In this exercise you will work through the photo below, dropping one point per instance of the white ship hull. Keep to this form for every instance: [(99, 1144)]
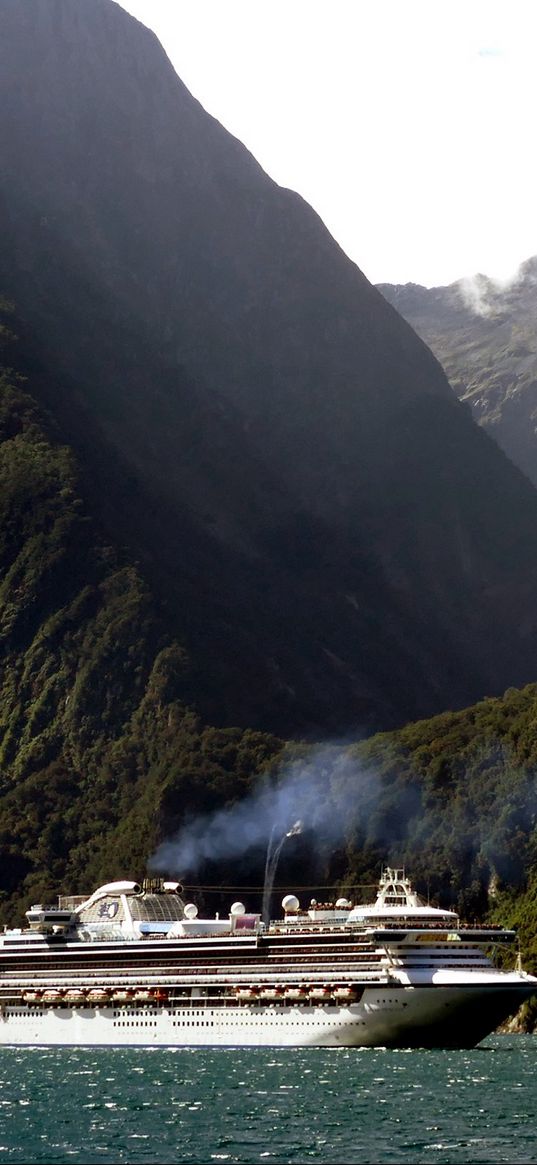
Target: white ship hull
[(390, 1017), (133, 967)]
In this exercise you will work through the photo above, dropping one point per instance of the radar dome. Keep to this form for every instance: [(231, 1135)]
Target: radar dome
[(237, 909), (290, 903), (191, 910)]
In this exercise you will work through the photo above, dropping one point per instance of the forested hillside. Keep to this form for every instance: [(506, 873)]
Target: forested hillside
[(103, 757), (100, 752), (238, 498), (458, 806), (335, 544)]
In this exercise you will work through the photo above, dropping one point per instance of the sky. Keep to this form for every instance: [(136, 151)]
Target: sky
[(409, 125)]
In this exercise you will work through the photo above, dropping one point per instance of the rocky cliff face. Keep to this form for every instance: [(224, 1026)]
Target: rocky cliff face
[(330, 536), (485, 336)]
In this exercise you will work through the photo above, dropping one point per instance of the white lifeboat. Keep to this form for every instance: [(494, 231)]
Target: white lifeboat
[(345, 994), (122, 996), (296, 994), (274, 994), (320, 994), (75, 995), (98, 995), (52, 995), (247, 994)]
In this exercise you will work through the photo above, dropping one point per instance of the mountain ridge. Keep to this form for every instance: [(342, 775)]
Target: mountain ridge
[(483, 332), (321, 522), (100, 750), (237, 494)]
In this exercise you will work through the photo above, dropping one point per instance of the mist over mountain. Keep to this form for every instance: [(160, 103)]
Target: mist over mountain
[(484, 333), (326, 533)]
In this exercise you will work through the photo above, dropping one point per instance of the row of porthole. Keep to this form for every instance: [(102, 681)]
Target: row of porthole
[(193, 1023), (243, 1022), (135, 1023), (188, 1022), (137, 1014), (26, 1014), (285, 1023)]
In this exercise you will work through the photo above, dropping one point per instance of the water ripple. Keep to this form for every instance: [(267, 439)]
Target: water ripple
[(252, 1106)]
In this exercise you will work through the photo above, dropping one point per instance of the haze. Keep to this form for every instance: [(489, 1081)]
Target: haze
[(408, 126)]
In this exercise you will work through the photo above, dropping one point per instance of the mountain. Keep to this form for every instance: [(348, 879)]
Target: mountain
[(100, 751), (324, 531), (485, 336), (454, 798)]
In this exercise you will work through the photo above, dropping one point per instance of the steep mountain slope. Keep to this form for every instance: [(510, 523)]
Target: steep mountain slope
[(102, 758), (100, 754), (332, 540), (485, 336)]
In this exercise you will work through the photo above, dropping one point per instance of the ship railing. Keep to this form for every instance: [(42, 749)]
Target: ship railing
[(418, 924), (284, 979), (310, 926), (239, 978), (288, 970)]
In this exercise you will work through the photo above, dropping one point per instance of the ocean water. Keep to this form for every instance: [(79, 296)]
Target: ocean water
[(270, 1105)]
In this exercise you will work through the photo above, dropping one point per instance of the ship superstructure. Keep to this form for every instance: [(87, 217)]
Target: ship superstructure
[(133, 964)]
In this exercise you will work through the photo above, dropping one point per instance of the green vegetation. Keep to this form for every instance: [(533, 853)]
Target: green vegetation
[(103, 756), (330, 538), (99, 754), (457, 804), (236, 489)]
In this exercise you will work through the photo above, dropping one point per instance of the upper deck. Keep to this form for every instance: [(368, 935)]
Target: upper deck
[(129, 911)]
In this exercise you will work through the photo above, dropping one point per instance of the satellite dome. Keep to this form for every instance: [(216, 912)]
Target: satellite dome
[(342, 903), (191, 910), (237, 909), (290, 904)]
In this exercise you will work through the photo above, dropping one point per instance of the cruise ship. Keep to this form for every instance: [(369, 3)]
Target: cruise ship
[(135, 965)]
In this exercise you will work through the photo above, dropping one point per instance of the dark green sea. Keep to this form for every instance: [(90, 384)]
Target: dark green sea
[(268, 1106)]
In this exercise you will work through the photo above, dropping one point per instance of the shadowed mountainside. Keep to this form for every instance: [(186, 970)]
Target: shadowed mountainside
[(100, 752), (102, 757), (332, 540)]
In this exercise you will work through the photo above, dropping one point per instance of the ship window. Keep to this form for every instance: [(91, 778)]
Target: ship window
[(156, 908)]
